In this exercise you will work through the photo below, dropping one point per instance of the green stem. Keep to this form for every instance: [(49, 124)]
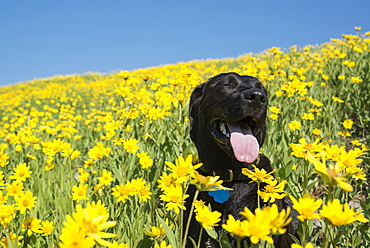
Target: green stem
[(304, 233), (185, 237), (238, 242), (325, 241), (305, 177), (258, 199), (200, 236)]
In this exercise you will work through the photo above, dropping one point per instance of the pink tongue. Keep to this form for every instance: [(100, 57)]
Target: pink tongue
[(245, 145)]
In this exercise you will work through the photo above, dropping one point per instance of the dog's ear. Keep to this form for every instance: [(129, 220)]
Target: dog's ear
[(195, 99)]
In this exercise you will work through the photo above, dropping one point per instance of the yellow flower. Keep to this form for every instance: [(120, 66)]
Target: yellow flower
[(12, 237), (74, 237), (21, 172), (145, 162), (139, 187), (31, 225), (105, 178), (325, 77), (308, 245), (337, 99), (131, 145), (74, 154), (308, 116), (279, 93), (331, 174), (7, 213), (356, 80), (83, 175), (174, 197), (79, 192), (207, 218), (198, 204), (30, 156), (89, 163), (339, 214), (163, 245), (121, 192), (300, 150), (124, 74), (3, 158), (258, 175), (236, 227), (116, 245), (183, 168), (25, 201), (91, 220), (259, 226), (316, 131), (206, 183), (273, 191), (274, 117), (15, 189), (275, 110), (294, 125), (47, 227), (344, 133), (315, 102), (278, 219), (99, 151), (156, 232), (347, 124), (306, 207), (166, 181)]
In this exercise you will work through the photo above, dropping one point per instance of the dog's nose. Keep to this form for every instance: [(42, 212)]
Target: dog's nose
[(257, 97)]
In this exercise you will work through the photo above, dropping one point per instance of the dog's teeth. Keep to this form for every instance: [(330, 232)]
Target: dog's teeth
[(223, 129)]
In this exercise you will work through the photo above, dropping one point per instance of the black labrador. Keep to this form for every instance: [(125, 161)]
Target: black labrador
[(228, 126)]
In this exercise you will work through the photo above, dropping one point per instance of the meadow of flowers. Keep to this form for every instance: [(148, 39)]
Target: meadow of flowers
[(104, 160)]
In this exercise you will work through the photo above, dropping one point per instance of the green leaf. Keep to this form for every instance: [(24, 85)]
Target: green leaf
[(174, 241), (224, 240), (212, 233)]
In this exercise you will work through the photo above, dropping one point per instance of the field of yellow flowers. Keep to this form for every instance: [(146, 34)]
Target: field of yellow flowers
[(104, 160)]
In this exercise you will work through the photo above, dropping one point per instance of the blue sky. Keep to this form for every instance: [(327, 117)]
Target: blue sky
[(44, 38)]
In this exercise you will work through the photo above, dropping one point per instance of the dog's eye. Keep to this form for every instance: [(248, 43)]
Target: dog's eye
[(229, 84)]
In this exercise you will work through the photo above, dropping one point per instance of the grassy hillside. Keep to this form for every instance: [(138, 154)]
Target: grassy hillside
[(96, 145)]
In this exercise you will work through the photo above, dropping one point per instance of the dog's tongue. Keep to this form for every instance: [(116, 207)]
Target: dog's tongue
[(245, 145)]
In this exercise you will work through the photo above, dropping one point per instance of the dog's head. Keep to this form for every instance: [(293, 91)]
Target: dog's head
[(228, 120)]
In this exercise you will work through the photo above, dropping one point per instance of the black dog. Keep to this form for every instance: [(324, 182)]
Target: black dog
[(228, 126)]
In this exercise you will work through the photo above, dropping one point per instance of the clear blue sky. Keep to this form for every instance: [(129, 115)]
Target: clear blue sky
[(44, 38)]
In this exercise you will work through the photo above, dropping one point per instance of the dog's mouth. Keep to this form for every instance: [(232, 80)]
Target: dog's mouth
[(238, 135)]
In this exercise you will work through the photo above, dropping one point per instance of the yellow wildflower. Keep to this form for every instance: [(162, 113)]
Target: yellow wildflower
[(162, 245), (258, 175), (273, 191), (21, 172), (331, 174), (339, 214), (207, 218), (183, 168), (156, 232), (236, 227), (306, 207), (25, 201), (106, 178), (347, 124), (294, 125), (174, 198), (91, 220), (79, 192)]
